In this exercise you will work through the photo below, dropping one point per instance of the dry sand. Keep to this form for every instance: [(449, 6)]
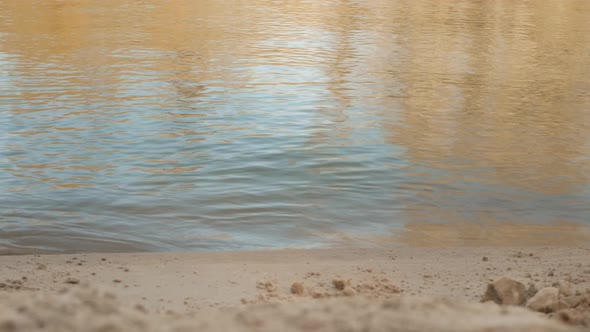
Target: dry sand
[(397, 289)]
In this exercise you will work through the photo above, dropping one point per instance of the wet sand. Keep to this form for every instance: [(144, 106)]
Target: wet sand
[(281, 286)]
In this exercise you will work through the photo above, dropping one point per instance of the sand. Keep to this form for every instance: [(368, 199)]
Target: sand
[(377, 289)]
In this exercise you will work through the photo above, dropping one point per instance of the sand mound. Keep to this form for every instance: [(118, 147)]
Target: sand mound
[(84, 309)]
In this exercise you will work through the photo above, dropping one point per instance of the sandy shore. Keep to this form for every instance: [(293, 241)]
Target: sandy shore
[(431, 288)]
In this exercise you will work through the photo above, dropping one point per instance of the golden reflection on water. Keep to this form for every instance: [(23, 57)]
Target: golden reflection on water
[(509, 96), (454, 234), (514, 100), (466, 234), (483, 106)]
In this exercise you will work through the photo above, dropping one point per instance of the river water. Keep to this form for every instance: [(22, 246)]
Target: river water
[(130, 125)]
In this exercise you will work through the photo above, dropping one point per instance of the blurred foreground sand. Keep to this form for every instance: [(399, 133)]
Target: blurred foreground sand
[(395, 289)]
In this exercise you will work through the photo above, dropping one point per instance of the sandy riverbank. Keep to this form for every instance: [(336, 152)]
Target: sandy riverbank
[(405, 289)]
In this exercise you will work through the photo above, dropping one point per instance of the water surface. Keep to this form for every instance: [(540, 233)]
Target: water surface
[(132, 125)]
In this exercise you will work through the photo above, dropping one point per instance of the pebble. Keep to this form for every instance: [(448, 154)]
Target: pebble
[(73, 281), (297, 288), (505, 291), (349, 291), (546, 300), (339, 284)]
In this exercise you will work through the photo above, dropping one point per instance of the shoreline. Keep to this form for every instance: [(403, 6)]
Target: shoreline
[(189, 283), (412, 235)]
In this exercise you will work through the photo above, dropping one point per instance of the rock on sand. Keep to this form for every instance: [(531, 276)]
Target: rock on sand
[(505, 291), (546, 300)]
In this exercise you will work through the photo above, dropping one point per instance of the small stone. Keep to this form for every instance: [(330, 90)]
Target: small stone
[(339, 284), (118, 281), (297, 288), (41, 266), (484, 258), (546, 300), (72, 281), (270, 286), (349, 291), (317, 295), (550, 274), (505, 291)]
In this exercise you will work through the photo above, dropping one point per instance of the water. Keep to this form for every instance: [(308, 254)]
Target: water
[(132, 125)]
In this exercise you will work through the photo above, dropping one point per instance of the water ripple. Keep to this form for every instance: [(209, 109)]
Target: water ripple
[(227, 125)]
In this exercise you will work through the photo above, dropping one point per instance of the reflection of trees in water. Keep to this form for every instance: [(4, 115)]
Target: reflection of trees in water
[(497, 102)]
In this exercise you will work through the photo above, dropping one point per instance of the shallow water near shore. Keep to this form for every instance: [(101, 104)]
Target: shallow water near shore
[(230, 125)]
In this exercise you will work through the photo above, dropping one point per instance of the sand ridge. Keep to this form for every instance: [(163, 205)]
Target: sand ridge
[(85, 309)]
